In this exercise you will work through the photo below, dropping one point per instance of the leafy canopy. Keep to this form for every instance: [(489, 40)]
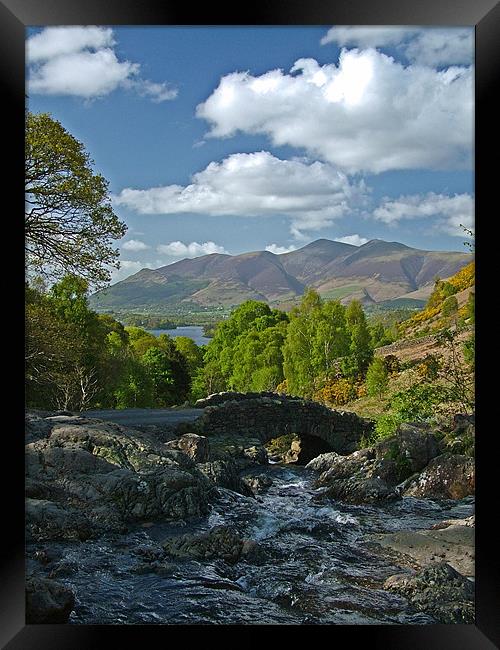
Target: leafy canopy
[(69, 221)]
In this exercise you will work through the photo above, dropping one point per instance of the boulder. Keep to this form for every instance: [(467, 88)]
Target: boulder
[(449, 476), (256, 454), (358, 478), (92, 477), (36, 427), (218, 543), (417, 446), (47, 601), (225, 474), (195, 446), (257, 483), (439, 591)]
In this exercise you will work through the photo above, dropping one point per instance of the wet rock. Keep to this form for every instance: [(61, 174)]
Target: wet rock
[(449, 476), (323, 462), (159, 568), (257, 483), (195, 446), (373, 474), (47, 601), (357, 478), (226, 474), (438, 591), (63, 569), (219, 543), (46, 520), (256, 454)]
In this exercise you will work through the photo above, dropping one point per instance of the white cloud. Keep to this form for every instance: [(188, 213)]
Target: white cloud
[(158, 92), (255, 185), (449, 212), (57, 41), (355, 240), (135, 245), (194, 249), (81, 61), (364, 37), (368, 113), (432, 46), (279, 250)]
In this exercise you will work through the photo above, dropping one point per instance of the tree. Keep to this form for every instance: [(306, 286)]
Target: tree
[(377, 378), (69, 221), (361, 350), (168, 371), (450, 306)]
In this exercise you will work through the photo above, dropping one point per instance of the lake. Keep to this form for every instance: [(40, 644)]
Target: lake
[(194, 332)]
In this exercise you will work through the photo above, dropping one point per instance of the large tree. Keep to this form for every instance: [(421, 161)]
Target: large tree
[(69, 221)]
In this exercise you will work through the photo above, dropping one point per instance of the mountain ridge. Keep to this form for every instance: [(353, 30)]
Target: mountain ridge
[(373, 272)]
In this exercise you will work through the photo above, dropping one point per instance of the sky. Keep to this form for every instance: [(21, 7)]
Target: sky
[(233, 139)]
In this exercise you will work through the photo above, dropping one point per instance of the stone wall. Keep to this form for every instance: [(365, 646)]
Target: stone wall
[(267, 416)]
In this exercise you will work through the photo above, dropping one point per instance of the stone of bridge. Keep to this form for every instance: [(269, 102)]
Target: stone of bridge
[(270, 415)]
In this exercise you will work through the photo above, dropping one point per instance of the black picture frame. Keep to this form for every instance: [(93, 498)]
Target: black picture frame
[(15, 16)]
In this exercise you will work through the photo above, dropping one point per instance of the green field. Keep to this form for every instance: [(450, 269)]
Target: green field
[(341, 292)]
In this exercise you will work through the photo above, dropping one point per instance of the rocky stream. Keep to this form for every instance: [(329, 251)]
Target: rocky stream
[(125, 529)]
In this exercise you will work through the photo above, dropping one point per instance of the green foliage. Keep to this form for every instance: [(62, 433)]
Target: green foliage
[(168, 369), (69, 221), (469, 348), (325, 341), (449, 307), (379, 335), (246, 350), (377, 378), (471, 307), (104, 364), (456, 372), (387, 425), (418, 402)]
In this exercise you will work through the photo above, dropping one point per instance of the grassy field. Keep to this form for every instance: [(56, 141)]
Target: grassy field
[(341, 292)]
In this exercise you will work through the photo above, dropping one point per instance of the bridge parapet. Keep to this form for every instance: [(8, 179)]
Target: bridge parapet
[(269, 415)]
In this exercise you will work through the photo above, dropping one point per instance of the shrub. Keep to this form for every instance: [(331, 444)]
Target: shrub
[(418, 402), (428, 369), (376, 378), (392, 364), (387, 425), (336, 392), (450, 306)]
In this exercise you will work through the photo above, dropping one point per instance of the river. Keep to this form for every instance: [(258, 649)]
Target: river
[(316, 566), (194, 332)]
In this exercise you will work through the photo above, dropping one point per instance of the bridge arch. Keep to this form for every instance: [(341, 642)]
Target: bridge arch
[(269, 415)]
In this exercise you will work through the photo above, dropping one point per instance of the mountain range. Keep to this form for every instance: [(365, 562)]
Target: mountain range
[(374, 272)]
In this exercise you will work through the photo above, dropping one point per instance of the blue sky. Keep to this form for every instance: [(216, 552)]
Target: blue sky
[(235, 139)]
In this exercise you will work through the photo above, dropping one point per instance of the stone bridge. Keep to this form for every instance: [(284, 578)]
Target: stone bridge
[(270, 415)]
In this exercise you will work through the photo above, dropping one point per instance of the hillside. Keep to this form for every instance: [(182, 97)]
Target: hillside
[(374, 272)]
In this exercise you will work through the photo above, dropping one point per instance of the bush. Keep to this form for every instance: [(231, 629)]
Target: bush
[(418, 402), (387, 425), (428, 369), (392, 364), (337, 392), (450, 306)]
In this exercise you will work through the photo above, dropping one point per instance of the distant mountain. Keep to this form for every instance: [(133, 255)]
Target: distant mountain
[(373, 272)]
